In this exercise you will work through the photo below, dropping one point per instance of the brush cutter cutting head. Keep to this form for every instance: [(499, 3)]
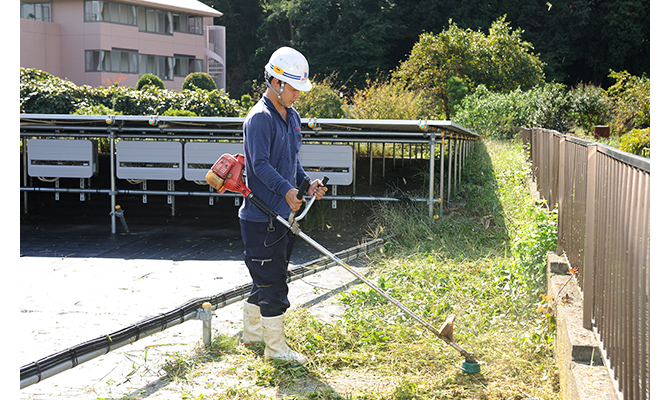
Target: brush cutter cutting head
[(470, 365), (226, 174)]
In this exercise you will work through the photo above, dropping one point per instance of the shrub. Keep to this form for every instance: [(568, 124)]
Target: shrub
[(394, 100), (636, 141), (199, 80), (550, 105), (246, 103), (42, 93), (149, 79), (171, 112), (99, 109), (545, 106), (206, 103), (630, 102), (322, 101), (590, 107)]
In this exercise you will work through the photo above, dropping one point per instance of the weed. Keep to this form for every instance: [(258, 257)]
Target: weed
[(483, 261)]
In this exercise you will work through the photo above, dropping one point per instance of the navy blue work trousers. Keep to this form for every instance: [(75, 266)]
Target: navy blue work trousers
[(267, 250)]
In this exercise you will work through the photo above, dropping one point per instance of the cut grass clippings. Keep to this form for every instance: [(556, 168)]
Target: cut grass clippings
[(482, 261)]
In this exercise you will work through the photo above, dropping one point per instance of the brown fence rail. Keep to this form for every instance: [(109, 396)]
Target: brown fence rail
[(603, 200)]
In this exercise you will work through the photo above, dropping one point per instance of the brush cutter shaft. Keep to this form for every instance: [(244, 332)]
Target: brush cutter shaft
[(374, 287)]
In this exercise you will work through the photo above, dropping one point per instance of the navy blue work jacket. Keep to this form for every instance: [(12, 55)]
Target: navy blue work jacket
[(271, 146)]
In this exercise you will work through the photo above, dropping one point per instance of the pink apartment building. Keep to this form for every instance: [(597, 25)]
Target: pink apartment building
[(97, 43)]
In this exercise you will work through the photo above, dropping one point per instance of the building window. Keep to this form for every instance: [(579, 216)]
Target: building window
[(110, 11), (161, 66), (184, 65), (187, 23), (146, 19), (116, 60), (195, 25), (154, 21), (40, 11)]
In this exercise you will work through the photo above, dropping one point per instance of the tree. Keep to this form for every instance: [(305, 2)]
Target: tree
[(242, 20), (501, 61), (348, 38)]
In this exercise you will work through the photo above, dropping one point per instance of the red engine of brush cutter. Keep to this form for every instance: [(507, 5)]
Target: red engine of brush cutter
[(226, 174)]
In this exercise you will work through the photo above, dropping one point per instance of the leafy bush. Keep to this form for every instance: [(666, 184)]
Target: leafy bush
[(99, 109), (550, 107), (547, 106), (630, 102), (246, 103), (206, 103), (179, 113), (393, 100), (322, 101), (636, 141), (149, 79), (43, 93), (198, 80), (590, 107)]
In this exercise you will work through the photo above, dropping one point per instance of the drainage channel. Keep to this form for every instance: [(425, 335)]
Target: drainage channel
[(64, 360)]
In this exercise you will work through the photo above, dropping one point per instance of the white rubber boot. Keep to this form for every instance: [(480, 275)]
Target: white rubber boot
[(253, 331), (275, 341)]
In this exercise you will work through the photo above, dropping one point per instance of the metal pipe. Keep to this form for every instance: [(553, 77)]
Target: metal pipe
[(441, 173), (112, 174), (431, 182), (208, 194), (374, 287)]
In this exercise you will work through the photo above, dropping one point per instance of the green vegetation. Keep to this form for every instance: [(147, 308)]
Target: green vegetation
[(198, 80), (625, 106), (323, 101), (575, 40), (501, 61), (483, 261), (43, 93), (637, 141), (149, 79)]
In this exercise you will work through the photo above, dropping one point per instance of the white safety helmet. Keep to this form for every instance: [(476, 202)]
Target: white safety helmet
[(289, 66)]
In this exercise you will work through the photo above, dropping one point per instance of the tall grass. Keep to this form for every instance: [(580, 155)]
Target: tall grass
[(483, 261)]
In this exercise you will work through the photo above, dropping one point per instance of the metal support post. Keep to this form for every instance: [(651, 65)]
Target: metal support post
[(205, 315), (449, 165), (441, 202), (431, 184), (112, 173)]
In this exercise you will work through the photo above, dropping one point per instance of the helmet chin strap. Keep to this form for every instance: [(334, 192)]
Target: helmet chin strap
[(281, 90)]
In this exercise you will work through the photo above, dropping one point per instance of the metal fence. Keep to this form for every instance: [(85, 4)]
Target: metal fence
[(603, 200)]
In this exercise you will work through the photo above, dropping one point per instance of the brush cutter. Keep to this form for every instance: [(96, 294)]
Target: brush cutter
[(226, 174)]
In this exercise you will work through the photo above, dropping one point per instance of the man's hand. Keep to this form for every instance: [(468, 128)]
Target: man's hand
[(317, 189), (292, 199)]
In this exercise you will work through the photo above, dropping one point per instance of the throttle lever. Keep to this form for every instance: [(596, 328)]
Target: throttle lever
[(311, 201), (304, 185)]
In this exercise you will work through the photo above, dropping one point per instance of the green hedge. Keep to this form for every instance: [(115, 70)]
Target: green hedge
[(149, 79), (198, 80), (43, 93)]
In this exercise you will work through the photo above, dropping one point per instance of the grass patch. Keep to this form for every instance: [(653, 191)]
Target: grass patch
[(483, 261)]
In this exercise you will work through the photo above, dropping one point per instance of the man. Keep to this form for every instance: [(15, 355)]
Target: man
[(272, 140)]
